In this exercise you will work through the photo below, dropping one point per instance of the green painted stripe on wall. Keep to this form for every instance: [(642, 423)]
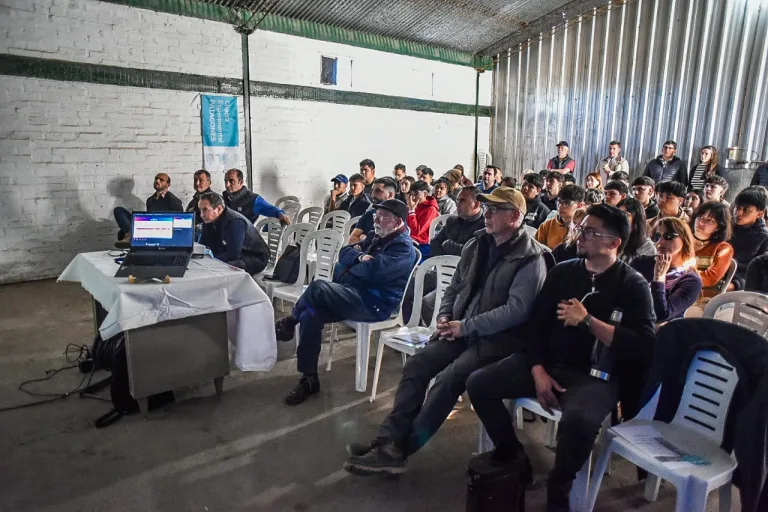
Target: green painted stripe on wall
[(65, 71), (311, 30)]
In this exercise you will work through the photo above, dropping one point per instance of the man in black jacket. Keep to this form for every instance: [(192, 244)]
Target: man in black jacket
[(750, 235), (231, 237), (357, 202), (202, 186), (596, 301), (161, 201), (537, 211), (666, 166), (644, 188), (249, 204)]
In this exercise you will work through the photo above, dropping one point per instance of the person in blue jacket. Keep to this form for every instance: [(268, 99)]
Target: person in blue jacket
[(249, 204), (368, 282)]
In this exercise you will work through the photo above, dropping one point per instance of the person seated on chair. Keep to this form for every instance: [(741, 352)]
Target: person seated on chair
[(338, 194), (445, 204), (422, 210), (231, 237), (711, 227), (671, 195), (488, 183), (757, 275), (202, 185), (715, 188), (536, 211), (644, 189), (553, 182), (404, 187), (161, 201), (249, 204), (368, 283), (593, 301), (481, 317), (621, 176), (615, 192), (553, 231), (454, 178), (358, 200), (567, 250), (750, 235), (383, 189)]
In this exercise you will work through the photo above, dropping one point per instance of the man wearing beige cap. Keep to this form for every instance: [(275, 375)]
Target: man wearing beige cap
[(481, 318)]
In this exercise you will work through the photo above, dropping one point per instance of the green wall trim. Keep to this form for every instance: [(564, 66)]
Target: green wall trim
[(312, 30), (65, 71)]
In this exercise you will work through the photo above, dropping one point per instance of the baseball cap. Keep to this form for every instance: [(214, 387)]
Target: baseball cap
[(505, 195), (562, 143), (340, 178), (394, 206)]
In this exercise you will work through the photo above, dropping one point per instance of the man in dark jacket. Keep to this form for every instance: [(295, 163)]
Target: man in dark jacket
[(553, 182), (368, 283), (536, 211), (357, 201), (750, 235), (231, 237), (249, 204), (666, 166), (480, 321), (761, 176), (161, 201), (644, 188), (595, 300), (202, 186)]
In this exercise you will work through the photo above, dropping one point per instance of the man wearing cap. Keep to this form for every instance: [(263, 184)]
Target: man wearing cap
[(481, 319), (248, 204), (338, 194), (368, 282), (562, 162), (161, 201)]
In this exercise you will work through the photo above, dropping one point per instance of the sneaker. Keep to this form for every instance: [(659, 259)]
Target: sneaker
[(307, 386), (383, 459), (285, 328), (360, 449)]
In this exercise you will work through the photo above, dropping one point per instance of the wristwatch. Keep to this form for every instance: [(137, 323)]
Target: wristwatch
[(586, 323)]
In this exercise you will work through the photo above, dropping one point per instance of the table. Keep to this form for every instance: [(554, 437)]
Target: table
[(177, 334)]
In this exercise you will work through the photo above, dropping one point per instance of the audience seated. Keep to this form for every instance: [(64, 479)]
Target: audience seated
[(553, 231), (671, 195), (644, 189), (427, 176), (231, 237), (404, 188), (562, 162), (553, 182), (357, 201), (488, 183), (709, 165), (368, 283), (161, 201), (675, 284), (499, 175), (594, 196), (667, 167), (639, 243), (615, 192), (368, 172), (481, 319), (399, 173), (761, 176), (612, 163), (536, 210), (693, 200), (567, 250), (711, 226), (593, 180), (202, 185), (445, 204), (248, 204), (422, 210), (508, 181), (569, 178), (750, 235), (454, 178), (419, 171), (715, 188), (620, 176), (338, 194), (593, 301), (757, 275), (464, 181), (383, 189)]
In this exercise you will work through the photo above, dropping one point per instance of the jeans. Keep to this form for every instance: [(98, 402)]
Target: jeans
[(585, 404), (321, 303), (124, 220), (413, 420), (428, 300)]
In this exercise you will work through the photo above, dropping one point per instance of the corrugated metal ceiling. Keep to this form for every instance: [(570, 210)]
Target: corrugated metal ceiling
[(466, 25)]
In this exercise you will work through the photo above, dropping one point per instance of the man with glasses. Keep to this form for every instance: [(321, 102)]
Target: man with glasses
[(590, 338), (667, 166), (615, 192), (368, 283), (248, 204), (671, 196), (553, 231), (481, 319), (644, 188), (368, 172)]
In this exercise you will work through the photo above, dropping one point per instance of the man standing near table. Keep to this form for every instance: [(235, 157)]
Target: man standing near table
[(231, 237)]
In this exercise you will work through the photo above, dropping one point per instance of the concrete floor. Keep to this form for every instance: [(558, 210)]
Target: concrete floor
[(247, 452)]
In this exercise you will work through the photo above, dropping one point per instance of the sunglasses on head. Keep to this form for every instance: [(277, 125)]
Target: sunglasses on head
[(666, 236)]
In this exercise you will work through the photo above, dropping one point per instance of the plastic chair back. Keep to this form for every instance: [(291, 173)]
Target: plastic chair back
[(295, 234), (728, 276), (444, 267), (274, 231), (286, 199), (349, 226), (437, 224), (310, 214), (292, 210), (328, 243), (707, 394), (750, 310), (337, 220)]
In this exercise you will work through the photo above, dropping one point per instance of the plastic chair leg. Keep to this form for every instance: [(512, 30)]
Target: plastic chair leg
[(652, 484), (331, 340), (551, 434), (377, 370), (519, 421), (601, 463), (580, 488), (363, 354), (692, 497), (405, 357)]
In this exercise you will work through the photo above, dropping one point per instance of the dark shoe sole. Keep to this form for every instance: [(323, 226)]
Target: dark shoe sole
[(359, 470), (307, 397)]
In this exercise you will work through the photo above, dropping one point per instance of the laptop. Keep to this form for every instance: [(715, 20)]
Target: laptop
[(161, 245)]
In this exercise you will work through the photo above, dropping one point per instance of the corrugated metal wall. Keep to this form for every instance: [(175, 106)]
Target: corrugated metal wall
[(695, 71)]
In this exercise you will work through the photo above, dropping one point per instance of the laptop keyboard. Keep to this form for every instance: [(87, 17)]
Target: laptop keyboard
[(160, 260)]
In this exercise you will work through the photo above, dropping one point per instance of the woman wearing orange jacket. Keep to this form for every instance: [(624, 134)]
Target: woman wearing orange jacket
[(711, 226)]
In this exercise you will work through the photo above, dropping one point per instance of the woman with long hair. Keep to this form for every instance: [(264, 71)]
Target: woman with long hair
[(567, 249), (693, 200), (709, 165), (675, 284), (639, 244), (593, 180), (711, 226)]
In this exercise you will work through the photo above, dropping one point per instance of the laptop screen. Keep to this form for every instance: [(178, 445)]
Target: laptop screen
[(167, 229)]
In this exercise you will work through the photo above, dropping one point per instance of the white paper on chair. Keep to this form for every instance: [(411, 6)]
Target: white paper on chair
[(652, 442), (416, 337)]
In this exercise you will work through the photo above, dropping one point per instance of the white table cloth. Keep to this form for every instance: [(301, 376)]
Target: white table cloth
[(209, 286)]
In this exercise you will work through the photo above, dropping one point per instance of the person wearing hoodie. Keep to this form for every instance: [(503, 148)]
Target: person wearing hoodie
[(537, 211), (553, 231), (750, 235), (422, 210), (667, 167), (445, 204)]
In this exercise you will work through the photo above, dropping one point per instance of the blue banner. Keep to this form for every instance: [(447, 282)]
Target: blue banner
[(220, 132)]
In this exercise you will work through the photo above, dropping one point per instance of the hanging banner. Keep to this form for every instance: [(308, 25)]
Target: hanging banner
[(220, 134)]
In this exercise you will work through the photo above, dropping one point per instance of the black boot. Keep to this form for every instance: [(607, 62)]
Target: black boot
[(307, 386), (360, 449), (383, 459), (285, 328)]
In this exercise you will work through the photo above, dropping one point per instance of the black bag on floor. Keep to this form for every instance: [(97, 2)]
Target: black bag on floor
[(287, 266), (493, 488)]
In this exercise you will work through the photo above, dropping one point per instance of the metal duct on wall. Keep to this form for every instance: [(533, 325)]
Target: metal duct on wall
[(694, 71)]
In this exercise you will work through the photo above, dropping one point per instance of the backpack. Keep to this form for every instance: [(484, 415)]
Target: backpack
[(287, 266)]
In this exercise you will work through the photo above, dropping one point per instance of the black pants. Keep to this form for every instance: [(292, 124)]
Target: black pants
[(585, 404), (251, 264), (412, 420)]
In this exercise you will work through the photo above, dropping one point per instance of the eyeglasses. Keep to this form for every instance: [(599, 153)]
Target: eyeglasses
[(670, 147), (492, 208), (668, 236), (589, 234), (566, 204)]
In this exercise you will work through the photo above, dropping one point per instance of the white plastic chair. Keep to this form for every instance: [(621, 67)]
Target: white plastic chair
[(697, 428), (293, 234), (338, 220), (292, 210), (750, 310), (444, 267), (728, 276), (349, 227), (286, 199), (363, 331), (273, 232), (437, 224), (310, 214)]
